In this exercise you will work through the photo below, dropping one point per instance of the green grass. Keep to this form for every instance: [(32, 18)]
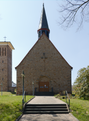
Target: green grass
[(6, 93), (11, 106), (79, 108)]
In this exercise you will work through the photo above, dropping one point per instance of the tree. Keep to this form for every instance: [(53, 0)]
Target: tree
[(74, 11), (81, 85)]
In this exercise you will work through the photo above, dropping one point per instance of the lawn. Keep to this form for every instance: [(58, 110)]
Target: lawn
[(11, 106), (79, 108)]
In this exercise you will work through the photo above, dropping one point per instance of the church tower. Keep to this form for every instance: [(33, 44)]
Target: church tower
[(6, 65), (43, 25)]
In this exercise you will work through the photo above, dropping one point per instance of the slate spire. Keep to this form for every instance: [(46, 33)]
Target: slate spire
[(43, 25)]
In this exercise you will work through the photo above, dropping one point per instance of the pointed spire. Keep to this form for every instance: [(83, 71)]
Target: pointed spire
[(43, 25), (43, 20)]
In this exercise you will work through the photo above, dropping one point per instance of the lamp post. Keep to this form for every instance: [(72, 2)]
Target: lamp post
[(1, 88), (33, 87)]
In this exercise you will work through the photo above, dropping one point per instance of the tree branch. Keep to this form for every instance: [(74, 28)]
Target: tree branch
[(73, 8)]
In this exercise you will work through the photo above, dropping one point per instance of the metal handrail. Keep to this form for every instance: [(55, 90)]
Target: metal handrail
[(23, 100), (68, 102)]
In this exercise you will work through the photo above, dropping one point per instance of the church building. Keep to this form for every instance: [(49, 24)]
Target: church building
[(44, 67)]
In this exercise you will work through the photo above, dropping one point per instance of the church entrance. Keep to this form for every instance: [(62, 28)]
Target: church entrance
[(44, 86)]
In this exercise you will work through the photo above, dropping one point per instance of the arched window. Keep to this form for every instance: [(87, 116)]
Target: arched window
[(47, 34)]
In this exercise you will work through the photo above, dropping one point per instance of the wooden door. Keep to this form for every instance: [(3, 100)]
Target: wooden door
[(44, 86)]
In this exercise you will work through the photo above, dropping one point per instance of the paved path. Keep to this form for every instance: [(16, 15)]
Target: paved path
[(45, 100), (47, 117)]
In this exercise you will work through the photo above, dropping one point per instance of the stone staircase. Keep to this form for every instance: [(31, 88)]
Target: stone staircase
[(46, 109)]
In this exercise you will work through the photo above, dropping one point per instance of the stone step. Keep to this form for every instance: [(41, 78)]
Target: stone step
[(46, 104), (46, 112), (46, 109), (27, 106)]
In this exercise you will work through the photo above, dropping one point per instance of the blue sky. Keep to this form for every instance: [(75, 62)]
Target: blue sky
[(19, 21)]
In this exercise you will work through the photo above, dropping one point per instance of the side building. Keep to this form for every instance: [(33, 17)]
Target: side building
[(6, 65)]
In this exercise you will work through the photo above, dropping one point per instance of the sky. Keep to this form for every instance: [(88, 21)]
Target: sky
[(19, 21)]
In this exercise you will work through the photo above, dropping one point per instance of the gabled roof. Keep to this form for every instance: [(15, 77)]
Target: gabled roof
[(43, 20), (35, 45)]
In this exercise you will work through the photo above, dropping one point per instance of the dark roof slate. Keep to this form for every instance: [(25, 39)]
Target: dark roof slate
[(43, 20)]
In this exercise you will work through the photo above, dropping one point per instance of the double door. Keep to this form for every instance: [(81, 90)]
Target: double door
[(44, 86)]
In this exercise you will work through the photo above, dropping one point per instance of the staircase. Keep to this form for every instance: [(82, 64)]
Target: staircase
[(46, 109)]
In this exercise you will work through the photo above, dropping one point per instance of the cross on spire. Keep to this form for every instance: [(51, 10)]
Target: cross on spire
[(5, 38)]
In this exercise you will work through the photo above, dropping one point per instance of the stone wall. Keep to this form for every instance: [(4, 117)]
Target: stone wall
[(44, 63), (5, 67), (9, 66)]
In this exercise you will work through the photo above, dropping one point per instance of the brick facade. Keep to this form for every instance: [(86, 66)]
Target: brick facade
[(6, 65), (44, 63)]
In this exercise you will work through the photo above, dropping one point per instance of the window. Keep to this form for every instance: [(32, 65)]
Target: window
[(43, 54), (3, 51), (47, 34), (43, 31), (45, 86), (41, 86)]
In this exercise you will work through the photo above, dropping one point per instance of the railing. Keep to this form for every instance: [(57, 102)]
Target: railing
[(23, 101), (67, 101)]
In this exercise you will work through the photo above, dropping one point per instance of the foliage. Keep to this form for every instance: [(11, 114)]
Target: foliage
[(74, 11), (81, 84), (11, 106), (57, 96)]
